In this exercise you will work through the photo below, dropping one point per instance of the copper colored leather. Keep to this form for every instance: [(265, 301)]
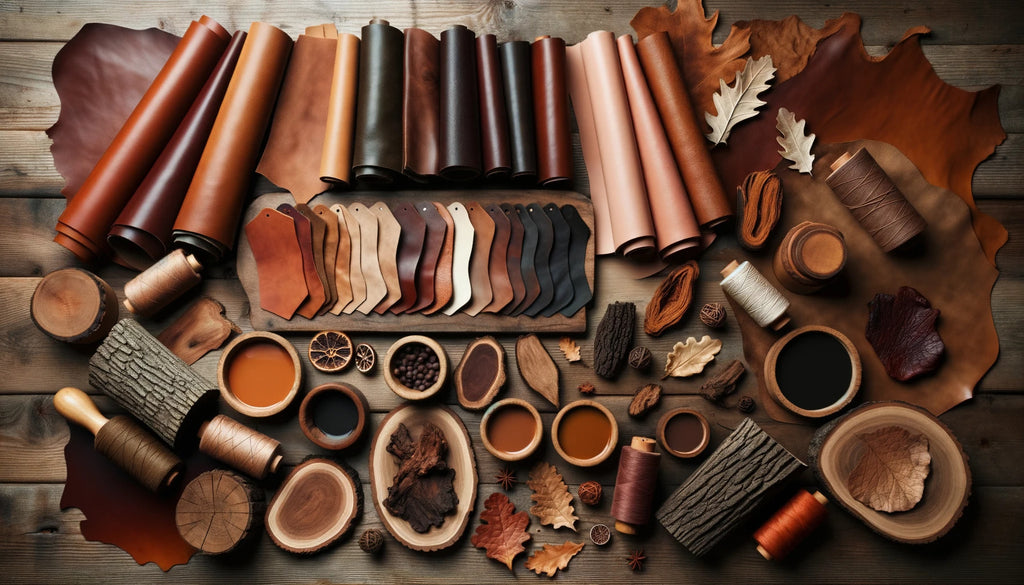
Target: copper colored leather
[(542, 259), (421, 105), (343, 264), (209, 216), (443, 271), (100, 75), (496, 158), (331, 238), (479, 264), (304, 234), (789, 41), (377, 156), (950, 254), (679, 117), (465, 234), (551, 113), (410, 248), (142, 231), (278, 256), (376, 288), (460, 106), (322, 31), (561, 276), (85, 222), (517, 76), (355, 264), (318, 230), (577, 260), (336, 157), (389, 233), (514, 257), (291, 158), (527, 264), (433, 241), (501, 284)]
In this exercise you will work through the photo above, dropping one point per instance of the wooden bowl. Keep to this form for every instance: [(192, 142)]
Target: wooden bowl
[(835, 450), (706, 432), (308, 415), (238, 345), (599, 457), (772, 382), (460, 458), (403, 390), (489, 415)]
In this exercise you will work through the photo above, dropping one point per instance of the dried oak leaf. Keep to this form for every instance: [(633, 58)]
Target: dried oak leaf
[(739, 102), (502, 531), (569, 349), (889, 477), (552, 500), (795, 145), (901, 329), (689, 358), (553, 557)]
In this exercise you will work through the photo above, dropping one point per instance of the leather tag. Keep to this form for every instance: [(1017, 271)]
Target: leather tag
[(376, 288), (342, 264), (355, 269), (514, 258), (319, 232), (527, 263), (410, 247), (443, 272), (577, 261), (388, 233), (479, 264), (304, 234), (465, 234), (275, 248), (545, 243), (501, 285), (559, 264), (432, 243), (330, 222)]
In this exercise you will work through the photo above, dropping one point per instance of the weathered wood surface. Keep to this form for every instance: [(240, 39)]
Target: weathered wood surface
[(973, 44)]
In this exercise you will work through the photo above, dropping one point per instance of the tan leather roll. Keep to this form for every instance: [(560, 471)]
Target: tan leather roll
[(336, 158)]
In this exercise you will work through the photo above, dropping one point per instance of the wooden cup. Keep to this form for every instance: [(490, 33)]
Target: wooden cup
[(229, 354), (663, 424), (809, 257), (317, 435), (405, 391), (609, 448), (538, 432), (771, 360)]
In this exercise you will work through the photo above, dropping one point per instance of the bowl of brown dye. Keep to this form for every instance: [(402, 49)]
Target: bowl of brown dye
[(511, 429), (416, 367), (333, 416), (813, 371), (584, 433), (684, 432), (259, 374)]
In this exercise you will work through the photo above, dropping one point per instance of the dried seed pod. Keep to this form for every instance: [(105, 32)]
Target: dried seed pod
[(644, 399), (590, 493), (366, 358), (671, 299), (713, 315), (586, 388), (600, 534), (640, 358), (746, 405), (762, 208), (330, 351), (723, 383), (613, 339), (371, 541)]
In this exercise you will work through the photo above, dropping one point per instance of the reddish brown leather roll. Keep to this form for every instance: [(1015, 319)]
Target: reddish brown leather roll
[(517, 77), (84, 225), (433, 241), (551, 111), (421, 105), (710, 204), (336, 158), (410, 247), (460, 106), (501, 284), (377, 155), (142, 232), (212, 208), (497, 160)]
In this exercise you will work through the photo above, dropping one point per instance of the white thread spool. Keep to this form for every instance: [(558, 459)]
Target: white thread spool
[(762, 301)]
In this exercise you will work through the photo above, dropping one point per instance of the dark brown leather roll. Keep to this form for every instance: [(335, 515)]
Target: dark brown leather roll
[(542, 259), (410, 247), (514, 257), (559, 263), (460, 106), (501, 284), (551, 112), (517, 76), (527, 266), (142, 232), (437, 228), (421, 105), (497, 159), (377, 157)]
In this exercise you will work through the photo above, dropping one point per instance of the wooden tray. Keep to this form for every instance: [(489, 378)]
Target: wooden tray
[(438, 322)]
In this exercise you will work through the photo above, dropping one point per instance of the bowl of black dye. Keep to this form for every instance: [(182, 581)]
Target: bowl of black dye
[(813, 371), (333, 416)]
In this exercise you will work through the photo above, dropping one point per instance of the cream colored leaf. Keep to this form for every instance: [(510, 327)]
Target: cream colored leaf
[(795, 146), (552, 500), (687, 359), (739, 102), (889, 477), (553, 557), (570, 349)]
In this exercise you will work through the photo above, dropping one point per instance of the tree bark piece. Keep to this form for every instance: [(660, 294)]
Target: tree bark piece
[(480, 374), (200, 329), (423, 489), (537, 368), (613, 339), (645, 398), (727, 487), (74, 305), (317, 504), (218, 510), (723, 383)]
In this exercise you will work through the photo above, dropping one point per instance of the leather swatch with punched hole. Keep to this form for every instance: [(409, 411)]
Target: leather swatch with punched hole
[(460, 106), (376, 288), (501, 284), (443, 271), (410, 248), (377, 156), (331, 238), (495, 157), (581, 293), (318, 230), (355, 264), (516, 74), (343, 264), (275, 248), (559, 264), (542, 259), (421, 105), (551, 113), (514, 258), (531, 236), (388, 234), (465, 235), (479, 264), (433, 241), (336, 158), (315, 286)]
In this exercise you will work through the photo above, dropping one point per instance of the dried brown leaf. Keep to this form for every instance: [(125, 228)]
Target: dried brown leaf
[(889, 477), (569, 349), (502, 531), (552, 500), (553, 557), (689, 358)]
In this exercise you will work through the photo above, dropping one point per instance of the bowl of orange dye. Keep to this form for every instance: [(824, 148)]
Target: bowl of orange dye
[(259, 374)]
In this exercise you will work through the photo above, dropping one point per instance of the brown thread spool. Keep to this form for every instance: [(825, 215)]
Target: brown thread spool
[(809, 257), (874, 200), (122, 440), (804, 512), (161, 283), (635, 483), (245, 449)]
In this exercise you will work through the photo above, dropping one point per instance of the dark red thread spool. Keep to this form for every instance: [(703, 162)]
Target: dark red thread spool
[(635, 483), (804, 512)]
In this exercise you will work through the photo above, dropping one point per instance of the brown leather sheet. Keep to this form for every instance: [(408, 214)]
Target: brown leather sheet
[(389, 232), (496, 158), (355, 265), (369, 264), (433, 241), (318, 228), (460, 106), (278, 256), (343, 263), (514, 257), (332, 235), (377, 154), (336, 158), (551, 113), (421, 105)]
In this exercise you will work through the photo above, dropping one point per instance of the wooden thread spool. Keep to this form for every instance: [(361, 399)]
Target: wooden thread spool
[(123, 441), (74, 306), (777, 537), (218, 510), (762, 301), (245, 449), (809, 257), (635, 483), (161, 283)]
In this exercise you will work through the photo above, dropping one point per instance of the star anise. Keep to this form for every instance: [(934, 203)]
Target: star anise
[(636, 560), (507, 478), (586, 388)]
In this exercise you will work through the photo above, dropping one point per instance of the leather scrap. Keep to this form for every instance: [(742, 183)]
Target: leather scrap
[(331, 239), (410, 247), (531, 236), (479, 264), (443, 271), (559, 264), (462, 253), (578, 243), (376, 288), (433, 241), (318, 230), (388, 234), (501, 284), (542, 259), (343, 263), (514, 257), (315, 286), (355, 266), (279, 262)]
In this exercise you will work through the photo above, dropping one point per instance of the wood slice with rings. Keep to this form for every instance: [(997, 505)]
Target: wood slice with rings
[(316, 505), (74, 306), (218, 510)]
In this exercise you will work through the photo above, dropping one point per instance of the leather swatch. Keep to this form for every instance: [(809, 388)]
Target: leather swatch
[(275, 247), (559, 264), (501, 284), (388, 234), (517, 76), (377, 156), (514, 257), (479, 264), (421, 105), (433, 241), (209, 216), (304, 235), (551, 113), (460, 106), (343, 263), (495, 155), (88, 217), (541, 259), (331, 239), (443, 271), (318, 230), (355, 264), (340, 127), (465, 236), (581, 293), (528, 260), (410, 248), (376, 288)]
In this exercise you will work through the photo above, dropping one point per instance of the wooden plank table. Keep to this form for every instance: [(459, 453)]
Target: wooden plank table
[(973, 44)]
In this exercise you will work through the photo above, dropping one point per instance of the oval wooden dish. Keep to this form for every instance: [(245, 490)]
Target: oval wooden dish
[(383, 467), (836, 448), (403, 390)]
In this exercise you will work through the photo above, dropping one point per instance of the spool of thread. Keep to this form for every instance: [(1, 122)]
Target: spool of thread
[(809, 257), (762, 301), (245, 449), (777, 537), (635, 483), (161, 283), (874, 200), (122, 440)]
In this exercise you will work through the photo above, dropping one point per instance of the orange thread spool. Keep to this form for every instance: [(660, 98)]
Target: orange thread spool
[(804, 512)]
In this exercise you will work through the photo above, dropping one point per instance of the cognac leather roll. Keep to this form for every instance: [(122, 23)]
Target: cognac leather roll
[(84, 225), (377, 156), (212, 209), (421, 105), (336, 158), (497, 160), (517, 76), (551, 111), (684, 134), (142, 233), (460, 106)]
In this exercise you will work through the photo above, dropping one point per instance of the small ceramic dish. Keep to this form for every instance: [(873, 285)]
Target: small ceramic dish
[(333, 416), (585, 433), (251, 364), (510, 418)]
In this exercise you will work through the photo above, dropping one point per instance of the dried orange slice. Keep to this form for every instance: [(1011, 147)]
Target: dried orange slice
[(366, 358), (330, 351)]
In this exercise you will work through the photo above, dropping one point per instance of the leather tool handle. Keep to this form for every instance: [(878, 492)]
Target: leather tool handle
[(77, 407)]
